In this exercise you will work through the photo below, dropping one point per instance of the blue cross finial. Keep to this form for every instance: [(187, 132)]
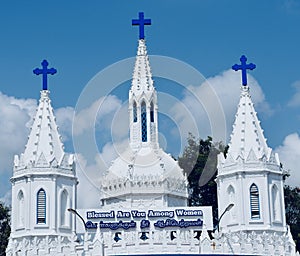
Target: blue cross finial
[(141, 22), (244, 68), (45, 71)]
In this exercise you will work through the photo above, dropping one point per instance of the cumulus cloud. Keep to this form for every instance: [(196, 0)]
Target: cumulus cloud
[(64, 120), (88, 193), (98, 113), (295, 100), (15, 120), (90, 172), (215, 101), (6, 198), (289, 153)]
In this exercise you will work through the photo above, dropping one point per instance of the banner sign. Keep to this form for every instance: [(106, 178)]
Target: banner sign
[(168, 218)]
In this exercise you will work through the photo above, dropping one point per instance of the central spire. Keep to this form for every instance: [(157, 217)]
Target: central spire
[(142, 98)]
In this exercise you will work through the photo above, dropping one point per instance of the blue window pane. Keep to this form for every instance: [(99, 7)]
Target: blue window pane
[(134, 113), (152, 113), (144, 122)]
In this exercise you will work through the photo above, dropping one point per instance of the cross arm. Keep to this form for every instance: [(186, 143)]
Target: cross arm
[(37, 71), (236, 67), (52, 71), (251, 66)]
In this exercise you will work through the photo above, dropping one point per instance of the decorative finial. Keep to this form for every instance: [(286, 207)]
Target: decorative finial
[(45, 71), (244, 68), (141, 22)]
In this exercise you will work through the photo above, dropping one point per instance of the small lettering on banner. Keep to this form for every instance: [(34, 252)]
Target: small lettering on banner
[(170, 217)]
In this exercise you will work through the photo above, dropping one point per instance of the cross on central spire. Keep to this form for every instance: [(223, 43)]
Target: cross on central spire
[(141, 22), (244, 68), (45, 71)]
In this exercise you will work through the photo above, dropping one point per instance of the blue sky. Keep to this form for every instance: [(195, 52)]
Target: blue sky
[(80, 38)]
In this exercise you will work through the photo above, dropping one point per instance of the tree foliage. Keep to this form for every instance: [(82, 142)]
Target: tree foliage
[(4, 227), (292, 211), (199, 162)]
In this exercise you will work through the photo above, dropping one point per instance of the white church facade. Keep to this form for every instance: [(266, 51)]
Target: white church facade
[(144, 192)]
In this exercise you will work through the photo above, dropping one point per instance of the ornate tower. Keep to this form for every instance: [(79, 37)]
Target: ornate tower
[(250, 177), (43, 186), (144, 175), (142, 103)]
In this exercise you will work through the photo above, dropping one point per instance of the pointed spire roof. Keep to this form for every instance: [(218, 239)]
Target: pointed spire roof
[(44, 142), (247, 138), (142, 77)]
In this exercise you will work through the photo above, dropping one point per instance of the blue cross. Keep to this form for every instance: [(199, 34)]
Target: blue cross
[(141, 22), (244, 68), (45, 71)]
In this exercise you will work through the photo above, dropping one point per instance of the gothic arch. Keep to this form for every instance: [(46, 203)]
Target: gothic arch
[(64, 205), (134, 112), (151, 112), (254, 202), (231, 197), (21, 210), (276, 203), (144, 121), (41, 206)]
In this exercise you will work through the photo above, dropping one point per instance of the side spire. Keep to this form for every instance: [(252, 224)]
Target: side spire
[(247, 138), (44, 138), (44, 146), (247, 135)]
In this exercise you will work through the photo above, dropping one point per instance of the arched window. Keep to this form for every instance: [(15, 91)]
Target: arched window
[(254, 202), (63, 208), (144, 121), (231, 195), (41, 207), (134, 112), (152, 113), (21, 210), (276, 203)]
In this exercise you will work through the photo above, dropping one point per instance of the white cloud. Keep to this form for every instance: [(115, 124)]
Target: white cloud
[(15, 118), (64, 120), (6, 199), (88, 194), (295, 100), (89, 173), (289, 153), (222, 90), (99, 112)]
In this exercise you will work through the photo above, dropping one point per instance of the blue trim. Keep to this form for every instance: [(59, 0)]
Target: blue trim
[(152, 113), (144, 121), (134, 112)]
